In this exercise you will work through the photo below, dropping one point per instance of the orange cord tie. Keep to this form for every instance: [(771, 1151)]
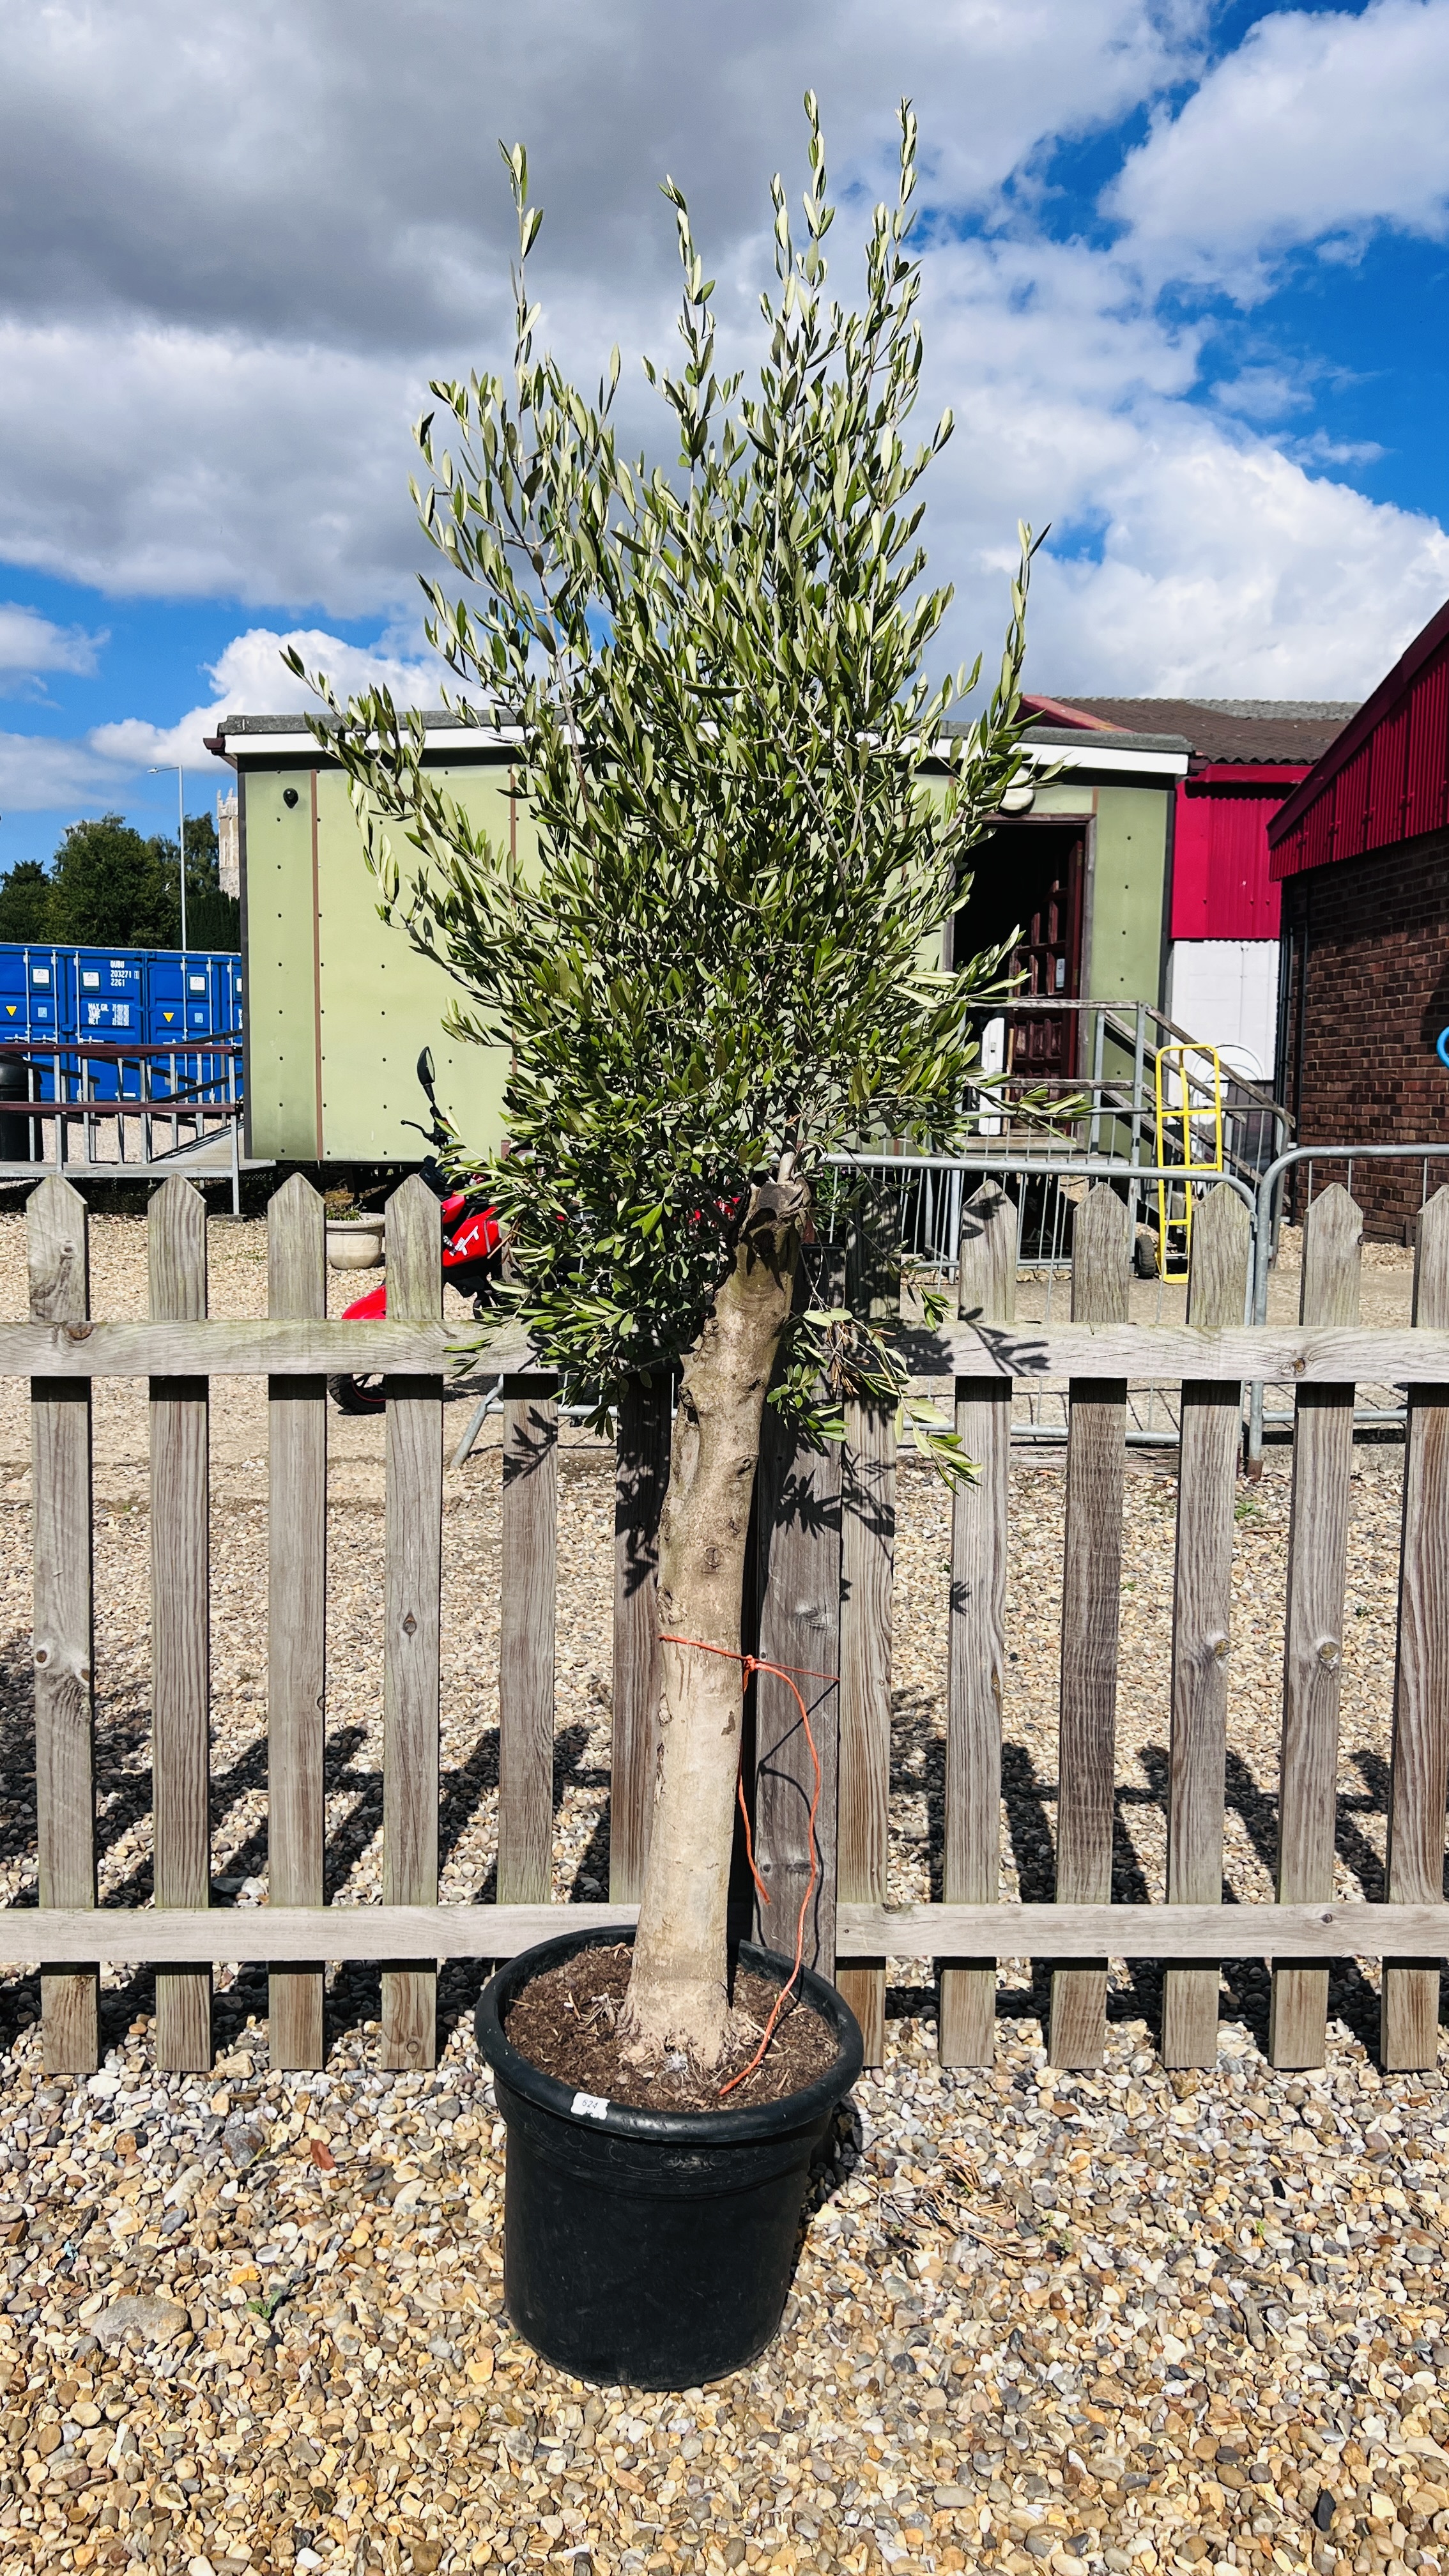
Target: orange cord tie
[(783, 1672)]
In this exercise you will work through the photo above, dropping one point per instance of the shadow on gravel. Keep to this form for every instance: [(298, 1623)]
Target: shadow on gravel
[(123, 1787)]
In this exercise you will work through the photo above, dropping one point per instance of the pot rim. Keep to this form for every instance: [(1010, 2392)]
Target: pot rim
[(752, 2121)]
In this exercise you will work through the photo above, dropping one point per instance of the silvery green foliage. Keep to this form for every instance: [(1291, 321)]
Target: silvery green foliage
[(712, 680)]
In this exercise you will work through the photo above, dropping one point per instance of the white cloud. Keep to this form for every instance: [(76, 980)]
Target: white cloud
[(251, 679), (213, 468), (39, 771), (1189, 551), (1227, 569), (31, 644), (273, 228), (328, 174), (1261, 393), (1321, 127)]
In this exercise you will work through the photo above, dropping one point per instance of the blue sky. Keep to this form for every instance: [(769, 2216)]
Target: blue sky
[(1185, 290)]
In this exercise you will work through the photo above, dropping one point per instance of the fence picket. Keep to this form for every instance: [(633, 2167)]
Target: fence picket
[(797, 1540), (1419, 1778), (412, 1625), (1202, 1602), (867, 1567), (180, 1621), (529, 1560), (867, 1553), (1313, 1644), (986, 1294), (1091, 1586), (296, 1618), (641, 1475), (63, 1647)]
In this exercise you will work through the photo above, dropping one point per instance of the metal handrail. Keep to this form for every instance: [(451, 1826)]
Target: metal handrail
[(1259, 1196), (1123, 1030), (1099, 1167), (172, 1104), (1265, 1228), (212, 1103), (106, 1052)]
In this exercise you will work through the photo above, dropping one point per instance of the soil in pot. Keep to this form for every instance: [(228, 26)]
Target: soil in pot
[(565, 2023)]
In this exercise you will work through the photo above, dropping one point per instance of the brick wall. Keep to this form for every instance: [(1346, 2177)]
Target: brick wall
[(1357, 1045)]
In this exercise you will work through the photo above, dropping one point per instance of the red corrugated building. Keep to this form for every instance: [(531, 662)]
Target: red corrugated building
[(1247, 754), (1360, 854)]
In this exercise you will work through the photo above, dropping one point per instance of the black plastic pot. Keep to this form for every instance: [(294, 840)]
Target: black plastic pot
[(651, 2248)]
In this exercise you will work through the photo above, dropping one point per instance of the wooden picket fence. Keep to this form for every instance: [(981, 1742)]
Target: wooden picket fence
[(821, 1602)]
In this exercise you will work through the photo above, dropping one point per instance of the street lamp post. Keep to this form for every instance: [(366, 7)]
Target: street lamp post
[(159, 771)]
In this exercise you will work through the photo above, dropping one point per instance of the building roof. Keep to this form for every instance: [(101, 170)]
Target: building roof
[(1100, 751), (258, 738), (1217, 729), (1386, 777), (1111, 751)]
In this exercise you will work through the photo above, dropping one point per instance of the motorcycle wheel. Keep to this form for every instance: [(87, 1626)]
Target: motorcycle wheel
[(357, 1394)]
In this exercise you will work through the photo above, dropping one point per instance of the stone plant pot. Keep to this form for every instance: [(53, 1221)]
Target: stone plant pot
[(355, 1242)]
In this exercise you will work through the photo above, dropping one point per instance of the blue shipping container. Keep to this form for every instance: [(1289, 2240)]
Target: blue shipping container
[(120, 997)]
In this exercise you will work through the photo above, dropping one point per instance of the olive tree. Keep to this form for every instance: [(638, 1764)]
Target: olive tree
[(722, 964)]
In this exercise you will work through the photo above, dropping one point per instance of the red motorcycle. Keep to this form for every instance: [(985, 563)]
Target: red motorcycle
[(472, 1252)]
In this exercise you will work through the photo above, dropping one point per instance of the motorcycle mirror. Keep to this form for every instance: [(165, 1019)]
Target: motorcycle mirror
[(425, 1071)]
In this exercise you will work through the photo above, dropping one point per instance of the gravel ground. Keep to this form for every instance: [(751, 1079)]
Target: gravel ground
[(1121, 2319)]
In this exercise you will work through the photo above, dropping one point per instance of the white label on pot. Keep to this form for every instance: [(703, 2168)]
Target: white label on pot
[(590, 2106)]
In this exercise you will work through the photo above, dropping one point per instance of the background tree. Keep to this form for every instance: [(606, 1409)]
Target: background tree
[(721, 967), (108, 887), (25, 899), (213, 919), (111, 887)]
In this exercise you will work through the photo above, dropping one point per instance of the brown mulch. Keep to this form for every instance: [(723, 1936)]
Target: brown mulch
[(565, 2023)]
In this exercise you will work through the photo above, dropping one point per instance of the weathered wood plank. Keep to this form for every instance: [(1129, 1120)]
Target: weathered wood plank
[(867, 1552), (63, 1651), (1313, 1645), (1419, 1776), (1091, 1584), (412, 1626), (263, 1933), (976, 1675), (529, 1577), (296, 1618), (867, 1556), (1156, 1354), (260, 1348), (180, 1622), (641, 1476), (1149, 1354), (1202, 1600), (797, 1539)]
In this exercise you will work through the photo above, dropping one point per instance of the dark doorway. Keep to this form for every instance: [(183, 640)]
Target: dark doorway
[(1030, 878)]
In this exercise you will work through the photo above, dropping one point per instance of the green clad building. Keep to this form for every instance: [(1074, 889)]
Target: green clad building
[(338, 1003)]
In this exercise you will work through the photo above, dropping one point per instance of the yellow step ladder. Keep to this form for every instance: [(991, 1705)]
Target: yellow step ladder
[(1180, 1125)]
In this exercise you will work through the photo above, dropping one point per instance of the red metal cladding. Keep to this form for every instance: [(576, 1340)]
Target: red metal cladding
[(1426, 796), (1221, 888), (1386, 778)]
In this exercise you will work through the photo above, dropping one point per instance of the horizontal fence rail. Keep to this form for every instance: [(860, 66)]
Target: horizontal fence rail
[(1162, 1353), (263, 1933), (820, 1598)]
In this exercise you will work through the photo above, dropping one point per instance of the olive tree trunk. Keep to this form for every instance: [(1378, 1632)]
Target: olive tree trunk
[(677, 1995)]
